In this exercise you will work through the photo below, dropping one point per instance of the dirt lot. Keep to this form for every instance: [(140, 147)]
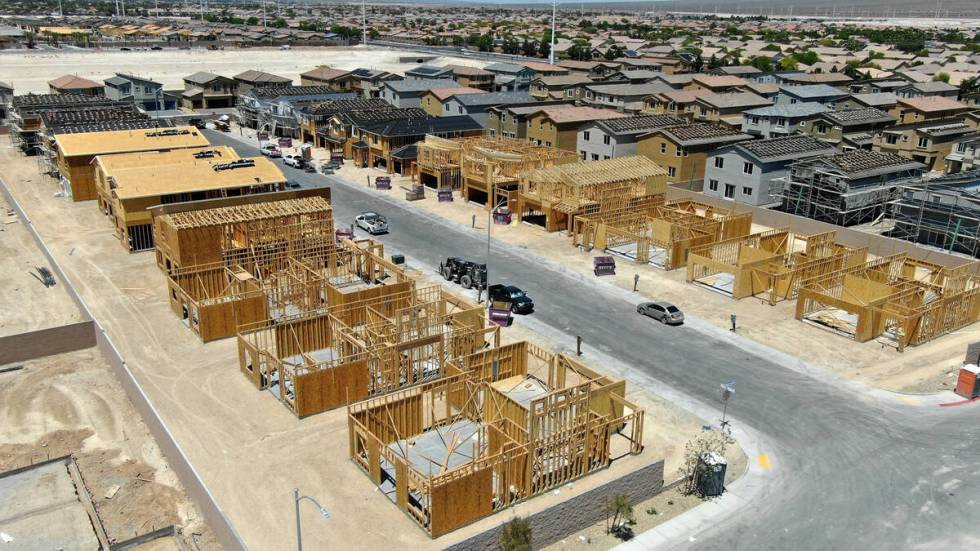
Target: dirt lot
[(25, 303), (170, 66), (72, 403), (249, 449), (921, 369)]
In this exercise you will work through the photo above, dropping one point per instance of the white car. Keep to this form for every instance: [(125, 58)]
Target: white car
[(271, 151), (294, 161), (371, 222)]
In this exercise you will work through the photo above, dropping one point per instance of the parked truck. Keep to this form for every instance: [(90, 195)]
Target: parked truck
[(466, 273)]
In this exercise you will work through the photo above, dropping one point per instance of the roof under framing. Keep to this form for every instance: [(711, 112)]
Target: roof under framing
[(248, 212)]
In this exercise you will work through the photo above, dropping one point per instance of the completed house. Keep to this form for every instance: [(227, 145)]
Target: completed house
[(610, 138), (727, 108), (479, 105), (813, 93), (781, 119), (510, 121), (143, 92), (558, 126), (965, 156), (327, 76), (848, 128), (557, 87), (255, 79), (511, 77), (928, 143), (927, 108), (73, 84), (931, 88), (682, 150), (625, 98), (409, 92), (204, 90), (753, 171)]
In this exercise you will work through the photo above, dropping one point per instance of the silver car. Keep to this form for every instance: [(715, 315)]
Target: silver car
[(371, 222), (663, 312)]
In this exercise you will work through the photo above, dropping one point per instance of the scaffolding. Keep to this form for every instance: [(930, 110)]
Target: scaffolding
[(847, 189), (943, 213)]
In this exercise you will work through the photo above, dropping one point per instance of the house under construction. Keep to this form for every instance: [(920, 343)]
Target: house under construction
[(554, 196), (897, 300), (943, 212), (771, 265), (657, 233), (505, 425), (482, 169), (320, 360), (26, 124), (850, 188), (255, 286)]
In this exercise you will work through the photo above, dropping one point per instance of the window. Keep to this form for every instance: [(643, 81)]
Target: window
[(713, 185), (792, 100), (755, 119), (569, 93), (547, 144), (729, 191), (678, 152), (747, 191), (663, 147), (595, 156), (606, 139), (748, 168), (671, 171), (460, 109), (582, 154), (822, 128), (585, 135), (606, 157), (781, 121), (891, 139), (446, 107), (719, 162), (923, 142)]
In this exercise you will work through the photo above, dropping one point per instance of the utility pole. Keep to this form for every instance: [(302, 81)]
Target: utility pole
[(554, 14), (202, 10), (263, 14), (364, 34)]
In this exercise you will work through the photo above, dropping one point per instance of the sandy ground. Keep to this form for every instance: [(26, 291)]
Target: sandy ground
[(30, 71), (921, 369), (71, 403), (25, 303), (250, 450)]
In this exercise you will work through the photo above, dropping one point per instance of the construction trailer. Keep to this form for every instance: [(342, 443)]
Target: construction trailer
[(849, 188), (251, 285), (554, 196), (483, 169), (134, 191), (318, 361), (77, 151), (505, 425), (897, 300), (771, 265), (657, 233), (207, 236)]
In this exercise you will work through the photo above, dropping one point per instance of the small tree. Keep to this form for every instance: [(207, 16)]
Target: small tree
[(516, 535), (941, 77), (620, 509)]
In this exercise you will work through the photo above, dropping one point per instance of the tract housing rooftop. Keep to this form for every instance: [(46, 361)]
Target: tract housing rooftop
[(641, 124), (859, 163), (702, 133), (786, 148)]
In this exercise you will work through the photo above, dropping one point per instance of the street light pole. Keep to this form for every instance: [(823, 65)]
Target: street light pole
[(299, 531), (489, 223), (554, 14)]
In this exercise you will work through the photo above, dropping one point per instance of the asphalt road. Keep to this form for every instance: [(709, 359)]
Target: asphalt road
[(863, 472)]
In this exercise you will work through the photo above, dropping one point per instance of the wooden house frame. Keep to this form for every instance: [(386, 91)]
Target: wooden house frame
[(482, 168), (200, 237), (770, 264), (896, 299), (256, 284), (318, 361), (454, 450), (560, 193), (652, 232)]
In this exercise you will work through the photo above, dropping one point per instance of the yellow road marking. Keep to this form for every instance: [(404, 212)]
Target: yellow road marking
[(909, 400), (763, 460)]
